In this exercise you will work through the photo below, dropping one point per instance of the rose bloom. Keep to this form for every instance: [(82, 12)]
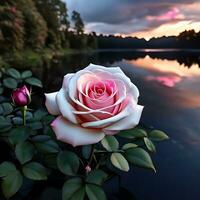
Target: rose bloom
[(21, 96), (92, 103)]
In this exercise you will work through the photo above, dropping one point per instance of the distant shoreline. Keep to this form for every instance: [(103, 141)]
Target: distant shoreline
[(147, 50)]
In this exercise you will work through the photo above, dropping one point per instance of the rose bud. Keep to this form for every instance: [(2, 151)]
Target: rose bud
[(88, 169), (21, 96)]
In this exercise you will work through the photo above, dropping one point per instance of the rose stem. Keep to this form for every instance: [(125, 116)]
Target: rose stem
[(23, 111)]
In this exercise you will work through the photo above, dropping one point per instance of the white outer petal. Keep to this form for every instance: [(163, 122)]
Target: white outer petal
[(74, 134), (128, 122), (65, 107), (112, 70), (51, 104), (66, 80)]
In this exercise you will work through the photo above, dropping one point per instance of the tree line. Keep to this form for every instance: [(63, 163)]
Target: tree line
[(186, 39), (38, 24)]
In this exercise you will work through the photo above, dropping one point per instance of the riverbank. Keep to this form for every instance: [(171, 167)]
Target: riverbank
[(30, 58)]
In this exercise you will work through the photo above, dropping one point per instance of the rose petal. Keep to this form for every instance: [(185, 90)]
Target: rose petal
[(106, 122), (95, 68), (128, 122), (66, 80), (51, 104), (75, 135), (65, 107)]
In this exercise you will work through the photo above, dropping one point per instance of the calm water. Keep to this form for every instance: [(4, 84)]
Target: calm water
[(169, 84)]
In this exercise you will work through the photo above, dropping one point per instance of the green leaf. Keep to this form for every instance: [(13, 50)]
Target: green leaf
[(118, 160), (157, 135), (41, 138), (39, 114), (73, 189), (10, 83), (5, 124), (18, 135), (7, 108), (24, 152), (26, 74), (35, 125), (6, 168), (150, 145), (14, 73), (68, 162), (96, 176), (48, 146), (34, 82), (129, 145), (35, 171), (86, 151), (110, 143), (11, 183), (95, 192), (133, 133), (139, 157)]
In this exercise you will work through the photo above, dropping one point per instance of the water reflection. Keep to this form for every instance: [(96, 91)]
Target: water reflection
[(169, 85), (166, 66), (169, 81)]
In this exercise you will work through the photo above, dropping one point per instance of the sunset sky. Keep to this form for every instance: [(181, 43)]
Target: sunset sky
[(141, 18)]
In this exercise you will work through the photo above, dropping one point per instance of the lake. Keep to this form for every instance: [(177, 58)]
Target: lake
[(169, 84)]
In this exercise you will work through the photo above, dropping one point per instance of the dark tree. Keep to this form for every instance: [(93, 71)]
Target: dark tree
[(78, 23)]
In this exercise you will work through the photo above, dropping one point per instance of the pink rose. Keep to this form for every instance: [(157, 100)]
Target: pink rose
[(21, 96), (92, 103)]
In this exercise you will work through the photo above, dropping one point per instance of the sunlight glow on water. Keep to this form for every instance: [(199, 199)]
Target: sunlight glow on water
[(166, 66)]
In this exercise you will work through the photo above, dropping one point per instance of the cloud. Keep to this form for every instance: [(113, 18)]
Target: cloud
[(129, 16)]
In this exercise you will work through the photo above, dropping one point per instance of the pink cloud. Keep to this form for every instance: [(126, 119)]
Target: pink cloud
[(169, 81), (172, 14)]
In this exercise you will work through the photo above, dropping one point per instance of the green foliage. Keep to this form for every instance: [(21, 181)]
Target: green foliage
[(149, 144), (97, 177), (35, 25), (95, 192), (10, 83), (12, 78), (6, 108), (13, 73), (18, 135), (68, 162), (11, 183), (133, 133), (110, 143), (34, 82), (11, 179), (139, 157), (119, 161), (35, 171), (157, 135), (12, 27), (73, 189), (5, 125), (6, 168), (24, 152), (129, 145)]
